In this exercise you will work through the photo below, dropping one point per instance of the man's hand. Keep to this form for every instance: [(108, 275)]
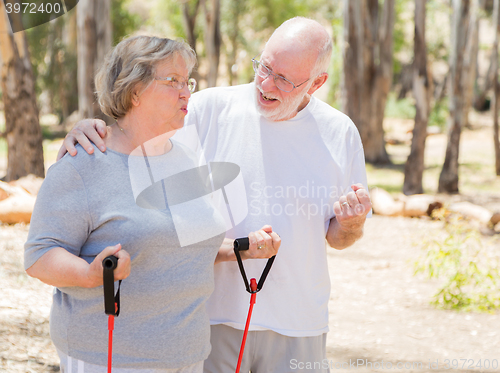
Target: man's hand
[(84, 132), (350, 216)]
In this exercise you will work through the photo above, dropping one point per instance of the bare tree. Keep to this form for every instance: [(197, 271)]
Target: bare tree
[(212, 39), (414, 168), (235, 9), (22, 126), (496, 87), (189, 20), (479, 101), (459, 75), (189, 14), (94, 41), (470, 59), (367, 74), (480, 95)]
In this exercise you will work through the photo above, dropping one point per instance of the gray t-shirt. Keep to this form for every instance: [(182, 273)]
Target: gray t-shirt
[(87, 203)]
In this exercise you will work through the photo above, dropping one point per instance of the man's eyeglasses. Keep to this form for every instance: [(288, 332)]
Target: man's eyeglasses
[(282, 83), (178, 82)]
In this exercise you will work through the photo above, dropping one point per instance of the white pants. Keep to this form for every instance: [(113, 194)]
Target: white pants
[(71, 365)]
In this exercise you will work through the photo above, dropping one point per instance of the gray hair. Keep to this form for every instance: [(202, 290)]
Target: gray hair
[(131, 64), (324, 56)]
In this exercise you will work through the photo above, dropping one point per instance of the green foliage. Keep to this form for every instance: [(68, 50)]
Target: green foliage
[(439, 114), (169, 12), (54, 66), (272, 13), (124, 22), (401, 42), (54, 59), (335, 15), (468, 269), (438, 12), (404, 108)]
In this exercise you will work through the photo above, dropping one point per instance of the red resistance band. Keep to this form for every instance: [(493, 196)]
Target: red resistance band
[(111, 301), (253, 288)]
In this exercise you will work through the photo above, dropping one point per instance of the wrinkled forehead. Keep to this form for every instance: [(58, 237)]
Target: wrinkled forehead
[(289, 59)]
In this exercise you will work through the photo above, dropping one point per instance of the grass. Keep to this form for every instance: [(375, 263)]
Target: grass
[(389, 178)]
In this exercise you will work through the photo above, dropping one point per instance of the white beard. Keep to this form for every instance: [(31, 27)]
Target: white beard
[(287, 109)]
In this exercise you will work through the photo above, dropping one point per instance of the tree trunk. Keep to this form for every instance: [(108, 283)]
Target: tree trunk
[(94, 41), (22, 126), (448, 179), (212, 39), (480, 96), (236, 8), (496, 87), (470, 60), (368, 71), (479, 101), (189, 22), (69, 91), (414, 168)]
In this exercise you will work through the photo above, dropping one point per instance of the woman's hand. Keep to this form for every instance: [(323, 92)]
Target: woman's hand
[(59, 268), (264, 243), (122, 270), (268, 241), (84, 132)]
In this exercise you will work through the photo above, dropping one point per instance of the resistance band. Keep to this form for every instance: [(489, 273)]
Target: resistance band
[(253, 288), (111, 301)]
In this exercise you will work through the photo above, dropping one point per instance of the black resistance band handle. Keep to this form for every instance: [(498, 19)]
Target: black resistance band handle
[(109, 264), (242, 244)]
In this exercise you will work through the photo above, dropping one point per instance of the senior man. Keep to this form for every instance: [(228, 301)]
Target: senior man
[(303, 167)]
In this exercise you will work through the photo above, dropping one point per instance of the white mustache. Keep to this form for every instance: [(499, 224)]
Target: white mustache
[(267, 95)]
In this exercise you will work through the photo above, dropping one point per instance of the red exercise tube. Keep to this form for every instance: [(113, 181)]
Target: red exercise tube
[(253, 287)]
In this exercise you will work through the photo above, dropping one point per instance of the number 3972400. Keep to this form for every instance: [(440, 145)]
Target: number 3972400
[(33, 8)]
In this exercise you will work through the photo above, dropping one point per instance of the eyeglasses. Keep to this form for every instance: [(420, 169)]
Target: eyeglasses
[(178, 82), (282, 83)]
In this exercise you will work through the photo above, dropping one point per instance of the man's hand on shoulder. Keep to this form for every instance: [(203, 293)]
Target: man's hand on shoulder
[(85, 132)]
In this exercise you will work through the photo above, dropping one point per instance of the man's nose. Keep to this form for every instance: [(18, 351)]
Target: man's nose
[(268, 83)]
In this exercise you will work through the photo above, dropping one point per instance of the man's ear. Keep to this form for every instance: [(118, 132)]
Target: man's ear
[(318, 82)]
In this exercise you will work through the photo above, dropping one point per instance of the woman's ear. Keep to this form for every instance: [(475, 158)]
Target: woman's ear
[(135, 98), (318, 82)]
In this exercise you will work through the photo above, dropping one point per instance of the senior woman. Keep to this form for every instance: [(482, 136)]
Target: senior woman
[(117, 203)]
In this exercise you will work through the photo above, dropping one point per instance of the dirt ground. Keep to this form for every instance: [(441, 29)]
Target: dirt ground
[(379, 311), (25, 345)]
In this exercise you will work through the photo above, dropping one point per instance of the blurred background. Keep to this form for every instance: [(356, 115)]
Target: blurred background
[(402, 70), (418, 78)]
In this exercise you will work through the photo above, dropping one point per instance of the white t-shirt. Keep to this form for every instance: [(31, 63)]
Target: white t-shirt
[(293, 172)]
